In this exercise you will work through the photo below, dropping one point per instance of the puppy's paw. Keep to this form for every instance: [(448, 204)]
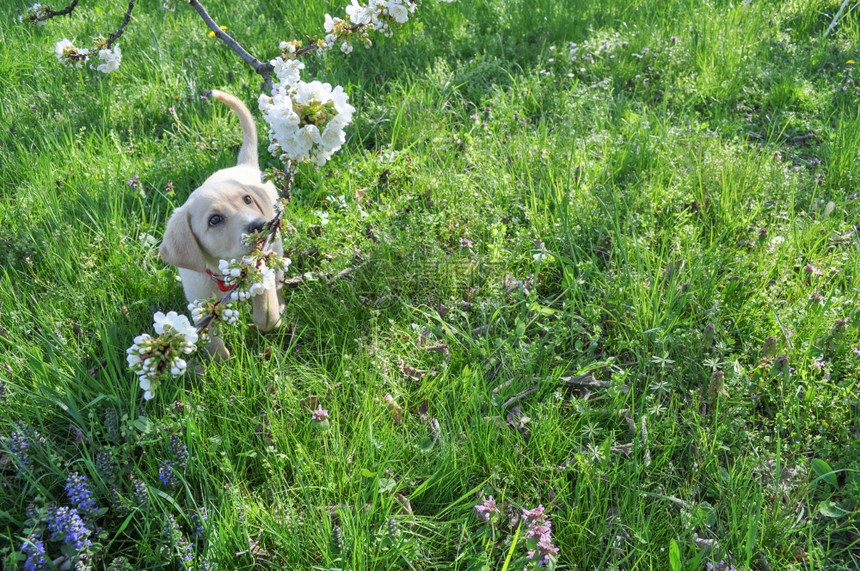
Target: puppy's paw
[(216, 350)]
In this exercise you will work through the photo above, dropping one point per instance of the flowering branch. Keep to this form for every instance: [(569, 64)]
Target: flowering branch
[(39, 13), (263, 68), (306, 123), (263, 245)]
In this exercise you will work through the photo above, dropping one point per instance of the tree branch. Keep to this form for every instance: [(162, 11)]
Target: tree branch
[(263, 68), (49, 13), (836, 18), (115, 36)]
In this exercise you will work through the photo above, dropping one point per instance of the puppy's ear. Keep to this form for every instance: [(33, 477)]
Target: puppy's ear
[(180, 247), (263, 199)]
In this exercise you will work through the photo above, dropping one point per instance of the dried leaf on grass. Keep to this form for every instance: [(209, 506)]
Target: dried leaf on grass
[(441, 348), (396, 409), (625, 449), (411, 372), (518, 420)]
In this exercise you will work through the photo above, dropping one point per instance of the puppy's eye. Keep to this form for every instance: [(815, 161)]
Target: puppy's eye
[(248, 199), (215, 219)]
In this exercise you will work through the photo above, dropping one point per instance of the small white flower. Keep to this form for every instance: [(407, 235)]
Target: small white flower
[(35, 14), (330, 23), (145, 383), (110, 59), (148, 395), (288, 71), (358, 14), (68, 54), (178, 368), (398, 11), (299, 113)]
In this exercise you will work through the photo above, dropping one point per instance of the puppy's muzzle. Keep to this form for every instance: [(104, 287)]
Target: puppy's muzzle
[(256, 226)]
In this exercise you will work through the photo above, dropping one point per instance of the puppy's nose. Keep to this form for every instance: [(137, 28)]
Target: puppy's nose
[(256, 226)]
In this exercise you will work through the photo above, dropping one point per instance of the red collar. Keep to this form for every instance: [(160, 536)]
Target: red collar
[(219, 282)]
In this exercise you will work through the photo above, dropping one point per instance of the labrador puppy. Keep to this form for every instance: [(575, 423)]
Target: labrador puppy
[(210, 225)]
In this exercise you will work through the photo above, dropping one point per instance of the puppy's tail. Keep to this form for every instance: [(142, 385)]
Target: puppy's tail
[(248, 152)]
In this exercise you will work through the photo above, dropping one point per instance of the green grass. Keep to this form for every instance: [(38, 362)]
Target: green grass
[(629, 173)]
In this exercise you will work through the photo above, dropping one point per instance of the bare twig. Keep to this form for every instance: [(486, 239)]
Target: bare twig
[(518, 397), (115, 36), (836, 18), (588, 380), (341, 274), (313, 45), (263, 68), (49, 13), (625, 449), (647, 460)]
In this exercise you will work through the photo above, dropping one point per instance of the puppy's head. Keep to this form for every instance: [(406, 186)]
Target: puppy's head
[(210, 225)]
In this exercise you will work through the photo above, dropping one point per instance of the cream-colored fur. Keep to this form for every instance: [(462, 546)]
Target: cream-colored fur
[(209, 227)]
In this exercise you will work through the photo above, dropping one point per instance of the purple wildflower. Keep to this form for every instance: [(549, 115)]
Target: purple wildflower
[(199, 519), (180, 543), (133, 181), (166, 475), (539, 531), (539, 536), (186, 550), (169, 186), (819, 364), (19, 446), (543, 551), (466, 243), (66, 524), (535, 517), (80, 496), (34, 549), (813, 270), (320, 414), (487, 509), (721, 566), (141, 494), (179, 453)]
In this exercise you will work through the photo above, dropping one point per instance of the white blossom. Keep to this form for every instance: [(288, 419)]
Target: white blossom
[(172, 321), (110, 59), (358, 14), (330, 23), (68, 54), (35, 14), (152, 358), (398, 10), (251, 276), (221, 313), (306, 119)]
